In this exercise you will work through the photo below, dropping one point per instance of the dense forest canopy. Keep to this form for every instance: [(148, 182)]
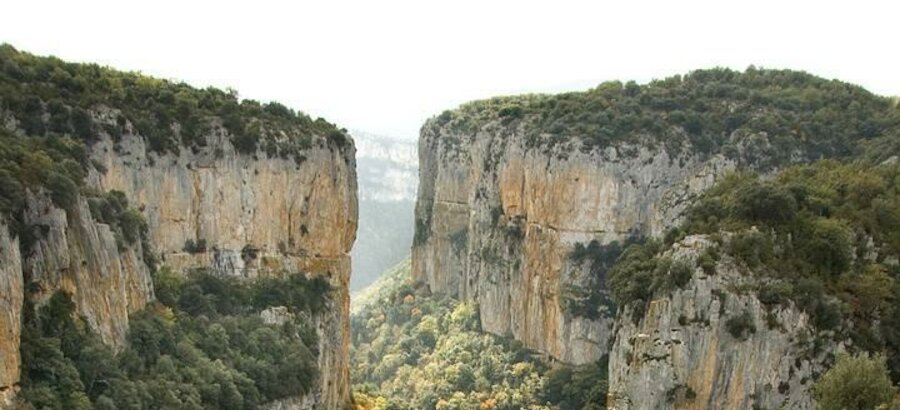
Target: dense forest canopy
[(202, 346), (412, 350)]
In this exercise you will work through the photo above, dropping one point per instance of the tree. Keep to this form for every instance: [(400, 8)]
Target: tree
[(855, 383)]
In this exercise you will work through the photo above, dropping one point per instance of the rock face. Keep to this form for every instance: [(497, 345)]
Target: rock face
[(680, 354), (12, 294), (72, 252), (496, 222), (80, 256), (256, 216)]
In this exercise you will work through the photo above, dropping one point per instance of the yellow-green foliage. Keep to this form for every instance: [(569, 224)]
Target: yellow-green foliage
[(856, 383), (415, 351)]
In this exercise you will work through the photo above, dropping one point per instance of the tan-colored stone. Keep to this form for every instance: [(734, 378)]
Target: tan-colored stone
[(500, 220), (12, 294)]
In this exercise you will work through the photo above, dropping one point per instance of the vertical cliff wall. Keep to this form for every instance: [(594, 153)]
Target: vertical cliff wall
[(255, 215), (68, 251), (12, 293), (497, 221)]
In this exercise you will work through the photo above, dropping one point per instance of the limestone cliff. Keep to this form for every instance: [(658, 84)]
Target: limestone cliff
[(510, 187), (253, 214), (256, 215), (681, 354), (497, 221), (69, 251), (12, 293)]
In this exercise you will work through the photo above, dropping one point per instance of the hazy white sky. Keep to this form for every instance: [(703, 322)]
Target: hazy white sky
[(385, 66)]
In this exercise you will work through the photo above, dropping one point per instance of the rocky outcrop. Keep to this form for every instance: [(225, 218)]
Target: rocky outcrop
[(255, 215), (680, 353), (69, 251), (74, 253), (497, 220), (12, 292)]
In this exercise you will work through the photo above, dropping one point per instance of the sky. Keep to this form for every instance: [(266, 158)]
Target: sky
[(386, 66)]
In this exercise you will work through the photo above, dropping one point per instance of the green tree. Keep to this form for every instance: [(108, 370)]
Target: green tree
[(856, 382)]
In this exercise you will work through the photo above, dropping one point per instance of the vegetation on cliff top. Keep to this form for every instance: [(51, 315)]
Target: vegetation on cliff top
[(47, 96), (412, 350), (715, 110), (203, 346)]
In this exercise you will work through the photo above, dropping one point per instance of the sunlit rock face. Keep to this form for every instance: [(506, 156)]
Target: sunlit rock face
[(69, 251), (497, 220), (255, 215), (12, 294), (497, 223)]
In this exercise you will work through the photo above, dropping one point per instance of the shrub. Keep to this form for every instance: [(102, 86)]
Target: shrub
[(741, 326), (828, 247), (775, 293), (707, 260), (753, 248), (631, 278), (63, 191), (133, 225), (680, 274), (190, 246), (855, 382), (577, 388), (764, 202), (245, 143)]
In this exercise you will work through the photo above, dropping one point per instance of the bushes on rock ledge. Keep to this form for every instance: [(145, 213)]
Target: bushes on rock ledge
[(741, 326)]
